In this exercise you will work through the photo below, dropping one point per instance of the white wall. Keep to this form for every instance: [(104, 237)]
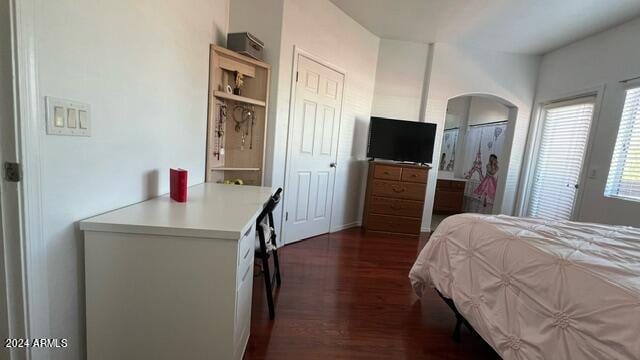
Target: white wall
[(320, 28), (485, 110), (402, 86), (460, 71), (264, 20), (400, 79), (143, 67), (600, 60), (457, 112)]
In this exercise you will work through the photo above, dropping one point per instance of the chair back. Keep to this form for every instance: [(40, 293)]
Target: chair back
[(269, 206)]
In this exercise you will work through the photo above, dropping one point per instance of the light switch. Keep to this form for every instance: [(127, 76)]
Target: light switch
[(67, 117), (84, 119), (58, 116), (72, 118)]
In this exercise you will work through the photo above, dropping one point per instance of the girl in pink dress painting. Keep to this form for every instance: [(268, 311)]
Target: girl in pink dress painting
[(489, 182)]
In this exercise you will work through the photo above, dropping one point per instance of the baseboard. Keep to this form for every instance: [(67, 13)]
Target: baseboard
[(346, 226)]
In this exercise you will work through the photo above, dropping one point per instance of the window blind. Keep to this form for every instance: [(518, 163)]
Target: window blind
[(624, 174), (561, 149)]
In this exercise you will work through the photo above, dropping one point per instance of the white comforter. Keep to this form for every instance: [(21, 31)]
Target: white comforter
[(536, 289)]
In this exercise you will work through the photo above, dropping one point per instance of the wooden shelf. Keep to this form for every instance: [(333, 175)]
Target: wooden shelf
[(235, 169), (246, 100), (237, 162)]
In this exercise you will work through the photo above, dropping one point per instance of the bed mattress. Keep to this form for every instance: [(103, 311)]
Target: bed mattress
[(539, 289)]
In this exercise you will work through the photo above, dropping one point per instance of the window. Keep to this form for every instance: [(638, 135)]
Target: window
[(624, 175), (560, 153)]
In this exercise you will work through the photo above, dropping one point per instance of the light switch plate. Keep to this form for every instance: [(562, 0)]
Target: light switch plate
[(74, 116)]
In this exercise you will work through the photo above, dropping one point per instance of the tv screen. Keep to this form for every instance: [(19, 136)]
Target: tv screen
[(401, 140)]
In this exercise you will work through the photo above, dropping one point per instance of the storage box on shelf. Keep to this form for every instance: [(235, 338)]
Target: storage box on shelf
[(237, 121)]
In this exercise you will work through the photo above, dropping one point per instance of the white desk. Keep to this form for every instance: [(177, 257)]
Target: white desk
[(169, 280)]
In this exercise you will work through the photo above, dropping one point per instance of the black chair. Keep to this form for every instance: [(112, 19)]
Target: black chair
[(264, 252)]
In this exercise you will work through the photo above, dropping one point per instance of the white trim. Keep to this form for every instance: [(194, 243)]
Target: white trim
[(297, 52), (526, 173), (620, 92), (30, 131), (11, 285), (346, 226)]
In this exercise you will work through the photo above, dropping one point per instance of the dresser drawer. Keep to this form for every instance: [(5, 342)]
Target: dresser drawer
[(443, 184), (397, 207), (450, 184), (243, 314), (399, 190), (394, 224), (414, 175), (458, 184), (448, 200), (387, 172)]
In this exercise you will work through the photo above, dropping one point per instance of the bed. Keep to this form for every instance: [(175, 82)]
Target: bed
[(538, 289)]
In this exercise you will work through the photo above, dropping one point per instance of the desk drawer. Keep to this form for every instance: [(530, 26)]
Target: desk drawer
[(246, 249), (397, 207), (398, 190), (246, 245), (414, 175), (387, 172), (394, 224), (243, 313)]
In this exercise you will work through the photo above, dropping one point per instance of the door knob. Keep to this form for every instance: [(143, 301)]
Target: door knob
[(333, 165)]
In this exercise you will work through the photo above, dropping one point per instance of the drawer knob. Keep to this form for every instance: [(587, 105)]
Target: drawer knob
[(414, 175), (396, 207), (386, 173), (398, 190)]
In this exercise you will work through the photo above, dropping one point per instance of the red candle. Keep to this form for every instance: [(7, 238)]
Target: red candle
[(178, 184)]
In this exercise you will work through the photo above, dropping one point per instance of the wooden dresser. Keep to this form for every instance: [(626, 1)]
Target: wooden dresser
[(449, 196), (395, 198)]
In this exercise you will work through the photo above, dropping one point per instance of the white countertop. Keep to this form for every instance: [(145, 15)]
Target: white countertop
[(448, 175), (211, 211)]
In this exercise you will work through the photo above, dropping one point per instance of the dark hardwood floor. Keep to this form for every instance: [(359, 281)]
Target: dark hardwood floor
[(347, 296)]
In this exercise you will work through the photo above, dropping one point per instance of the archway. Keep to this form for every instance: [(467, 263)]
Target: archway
[(474, 155)]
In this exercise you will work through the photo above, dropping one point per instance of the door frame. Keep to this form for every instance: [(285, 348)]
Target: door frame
[(297, 52), (534, 138), (29, 299)]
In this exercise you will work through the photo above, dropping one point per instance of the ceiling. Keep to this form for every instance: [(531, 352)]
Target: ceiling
[(520, 26)]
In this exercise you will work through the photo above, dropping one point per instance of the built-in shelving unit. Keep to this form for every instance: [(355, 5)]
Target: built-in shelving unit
[(234, 169), (242, 99), (237, 121)]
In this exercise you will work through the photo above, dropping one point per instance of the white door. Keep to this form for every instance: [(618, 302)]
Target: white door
[(560, 154), (312, 154)]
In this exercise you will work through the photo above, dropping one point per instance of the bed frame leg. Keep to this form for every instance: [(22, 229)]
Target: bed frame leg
[(456, 332)]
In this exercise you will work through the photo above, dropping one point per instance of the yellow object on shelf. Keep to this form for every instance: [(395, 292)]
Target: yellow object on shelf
[(234, 182)]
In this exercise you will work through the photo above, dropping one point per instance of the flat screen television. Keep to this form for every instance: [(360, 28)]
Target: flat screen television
[(401, 140)]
